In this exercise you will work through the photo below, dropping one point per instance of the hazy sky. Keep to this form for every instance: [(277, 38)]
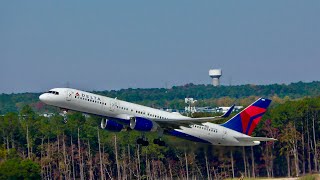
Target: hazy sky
[(98, 45)]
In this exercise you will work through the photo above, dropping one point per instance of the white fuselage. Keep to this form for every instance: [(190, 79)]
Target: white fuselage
[(113, 108)]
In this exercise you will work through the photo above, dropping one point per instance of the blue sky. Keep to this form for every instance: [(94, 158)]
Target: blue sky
[(99, 45)]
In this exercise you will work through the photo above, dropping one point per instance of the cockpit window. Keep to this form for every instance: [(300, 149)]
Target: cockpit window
[(54, 92)]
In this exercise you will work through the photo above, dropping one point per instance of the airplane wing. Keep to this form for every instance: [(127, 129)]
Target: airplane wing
[(176, 123), (246, 139)]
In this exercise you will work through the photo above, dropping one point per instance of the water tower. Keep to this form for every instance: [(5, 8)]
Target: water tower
[(215, 74)]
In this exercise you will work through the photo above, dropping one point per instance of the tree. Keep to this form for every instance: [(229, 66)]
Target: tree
[(289, 137), (29, 169), (28, 117), (19, 169), (268, 156)]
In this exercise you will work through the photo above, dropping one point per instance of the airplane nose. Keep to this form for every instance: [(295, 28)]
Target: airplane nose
[(42, 97)]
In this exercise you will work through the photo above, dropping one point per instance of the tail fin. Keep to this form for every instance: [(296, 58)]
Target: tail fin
[(247, 120), (227, 114)]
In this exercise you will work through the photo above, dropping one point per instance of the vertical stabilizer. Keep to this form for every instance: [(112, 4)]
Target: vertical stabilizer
[(247, 120)]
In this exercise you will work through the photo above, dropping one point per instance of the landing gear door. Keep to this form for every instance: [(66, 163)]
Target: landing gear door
[(69, 95)]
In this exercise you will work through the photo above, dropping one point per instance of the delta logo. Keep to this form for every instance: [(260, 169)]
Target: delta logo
[(94, 98)]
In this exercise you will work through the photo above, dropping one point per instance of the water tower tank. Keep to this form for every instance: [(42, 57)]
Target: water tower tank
[(215, 74)]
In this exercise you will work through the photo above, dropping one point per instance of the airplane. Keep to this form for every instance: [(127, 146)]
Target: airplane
[(118, 115)]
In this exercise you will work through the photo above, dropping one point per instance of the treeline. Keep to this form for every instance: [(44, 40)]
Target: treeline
[(207, 95), (293, 90), (49, 148)]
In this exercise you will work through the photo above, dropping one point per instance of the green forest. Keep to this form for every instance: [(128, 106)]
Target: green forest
[(37, 147)]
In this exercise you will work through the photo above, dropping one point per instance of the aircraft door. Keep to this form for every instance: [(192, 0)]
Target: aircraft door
[(113, 105), (69, 95)]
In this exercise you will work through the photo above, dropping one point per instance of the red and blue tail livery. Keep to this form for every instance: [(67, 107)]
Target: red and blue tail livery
[(247, 120)]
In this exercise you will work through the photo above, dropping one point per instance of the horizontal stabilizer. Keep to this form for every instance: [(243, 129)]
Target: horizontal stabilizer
[(255, 139)]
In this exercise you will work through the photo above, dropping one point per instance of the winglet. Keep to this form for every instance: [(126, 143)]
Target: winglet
[(227, 114)]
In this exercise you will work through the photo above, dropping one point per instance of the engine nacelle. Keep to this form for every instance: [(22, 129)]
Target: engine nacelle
[(111, 125), (142, 124)]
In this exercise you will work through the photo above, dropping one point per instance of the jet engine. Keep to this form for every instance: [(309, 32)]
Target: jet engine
[(111, 125), (142, 124)]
